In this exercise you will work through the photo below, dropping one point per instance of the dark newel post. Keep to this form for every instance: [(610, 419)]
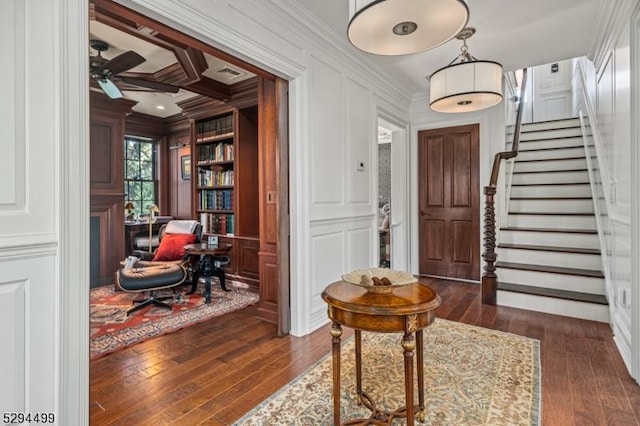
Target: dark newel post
[(489, 279)]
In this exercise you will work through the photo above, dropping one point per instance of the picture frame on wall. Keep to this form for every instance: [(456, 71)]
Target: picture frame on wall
[(185, 166)]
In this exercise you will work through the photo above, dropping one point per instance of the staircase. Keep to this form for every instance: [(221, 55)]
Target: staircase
[(548, 252)]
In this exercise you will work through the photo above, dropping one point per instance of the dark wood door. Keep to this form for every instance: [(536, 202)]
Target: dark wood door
[(449, 202)]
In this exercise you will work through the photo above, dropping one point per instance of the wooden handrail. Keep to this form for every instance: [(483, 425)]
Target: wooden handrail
[(489, 277)]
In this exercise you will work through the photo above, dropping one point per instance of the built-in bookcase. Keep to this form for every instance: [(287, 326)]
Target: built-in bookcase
[(226, 182)]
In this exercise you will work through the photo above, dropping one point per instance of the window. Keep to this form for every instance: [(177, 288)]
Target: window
[(140, 173)]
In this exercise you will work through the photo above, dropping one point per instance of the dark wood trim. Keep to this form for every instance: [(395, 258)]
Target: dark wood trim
[(562, 230), (551, 269), (551, 184), (550, 171), (282, 172), (578, 250), (130, 21), (554, 293), (555, 148)]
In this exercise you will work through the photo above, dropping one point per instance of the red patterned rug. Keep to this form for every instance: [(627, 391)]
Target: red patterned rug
[(112, 329)]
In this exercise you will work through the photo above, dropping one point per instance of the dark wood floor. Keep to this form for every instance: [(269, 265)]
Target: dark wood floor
[(214, 372)]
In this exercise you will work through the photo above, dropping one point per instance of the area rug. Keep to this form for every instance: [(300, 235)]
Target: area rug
[(112, 329), (473, 376)]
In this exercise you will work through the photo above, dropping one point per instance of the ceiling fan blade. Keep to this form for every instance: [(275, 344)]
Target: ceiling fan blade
[(109, 88), (123, 62), (161, 87)]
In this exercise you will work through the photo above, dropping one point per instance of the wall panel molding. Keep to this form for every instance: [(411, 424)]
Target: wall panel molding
[(12, 109)]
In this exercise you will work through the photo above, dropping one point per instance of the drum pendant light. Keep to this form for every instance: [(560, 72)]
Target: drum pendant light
[(401, 27), (469, 85)]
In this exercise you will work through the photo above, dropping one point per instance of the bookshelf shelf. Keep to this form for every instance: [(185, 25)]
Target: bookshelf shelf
[(225, 153)]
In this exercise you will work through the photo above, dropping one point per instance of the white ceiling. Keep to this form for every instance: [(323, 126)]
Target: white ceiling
[(516, 33)]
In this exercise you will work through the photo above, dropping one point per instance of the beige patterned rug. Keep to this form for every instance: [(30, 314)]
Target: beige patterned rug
[(473, 376)]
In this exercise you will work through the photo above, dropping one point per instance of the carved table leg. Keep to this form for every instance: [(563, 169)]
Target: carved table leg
[(358, 337), (336, 333), (409, 344), (420, 372)]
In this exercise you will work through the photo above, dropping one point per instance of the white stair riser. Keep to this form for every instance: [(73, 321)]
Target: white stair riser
[(560, 177), (550, 134), (530, 191), (534, 166), (547, 143), (551, 154), (550, 258), (553, 222), (549, 280), (554, 239), (569, 308), (551, 206), (545, 125)]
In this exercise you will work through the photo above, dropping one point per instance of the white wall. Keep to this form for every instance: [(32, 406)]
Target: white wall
[(613, 99), (43, 206)]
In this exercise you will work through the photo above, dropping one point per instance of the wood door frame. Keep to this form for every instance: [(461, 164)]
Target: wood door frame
[(476, 201)]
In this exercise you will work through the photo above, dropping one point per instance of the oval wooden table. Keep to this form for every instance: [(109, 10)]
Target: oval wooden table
[(409, 309)]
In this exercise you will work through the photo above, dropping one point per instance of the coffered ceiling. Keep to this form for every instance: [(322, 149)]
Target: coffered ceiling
[(166, 61)]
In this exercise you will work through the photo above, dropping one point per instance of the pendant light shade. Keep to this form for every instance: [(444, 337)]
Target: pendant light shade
[(401, 27), (470, 85)]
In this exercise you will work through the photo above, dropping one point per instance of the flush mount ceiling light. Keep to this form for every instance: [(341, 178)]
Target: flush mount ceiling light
[(401, 27), (469, 85)]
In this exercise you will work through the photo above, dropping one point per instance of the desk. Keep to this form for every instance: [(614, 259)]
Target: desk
[(409, 309), (133, 229), (206, 267)]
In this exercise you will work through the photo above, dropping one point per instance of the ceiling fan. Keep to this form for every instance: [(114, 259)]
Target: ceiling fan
[(106, 71)]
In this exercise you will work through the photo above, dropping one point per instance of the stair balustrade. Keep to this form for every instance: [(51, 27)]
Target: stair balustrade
[(489, 277)]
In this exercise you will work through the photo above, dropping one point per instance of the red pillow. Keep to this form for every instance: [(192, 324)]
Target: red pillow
[(172, 246)]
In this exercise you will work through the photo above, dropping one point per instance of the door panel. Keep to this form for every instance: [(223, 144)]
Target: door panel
[(449, 202)]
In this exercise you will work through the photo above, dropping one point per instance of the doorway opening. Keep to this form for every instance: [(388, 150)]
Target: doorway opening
[(384, 194)]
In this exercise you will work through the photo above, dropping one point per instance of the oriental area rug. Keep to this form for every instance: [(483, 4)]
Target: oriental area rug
[(111, 329), (473, 376)]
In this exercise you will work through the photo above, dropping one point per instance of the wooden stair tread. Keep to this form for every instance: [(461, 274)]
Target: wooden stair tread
[(551, 171), (538, 160), (555, 148), (551, 269), (550, 184), (561, 230), (551, 198), (551, 214), (555, 293), (578, 250), (525, 140)]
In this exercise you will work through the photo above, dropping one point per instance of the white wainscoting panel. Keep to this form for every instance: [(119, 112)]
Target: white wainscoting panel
[(327, 142), (13, 348), (359, 243), (12, 152), (361, 141), (27, 122), (29, 349), (338, 246)]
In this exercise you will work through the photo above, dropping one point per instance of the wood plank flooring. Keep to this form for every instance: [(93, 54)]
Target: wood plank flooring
[(214, 372)]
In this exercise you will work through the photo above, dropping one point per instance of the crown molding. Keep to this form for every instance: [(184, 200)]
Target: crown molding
[(286, 23), (613, 17)]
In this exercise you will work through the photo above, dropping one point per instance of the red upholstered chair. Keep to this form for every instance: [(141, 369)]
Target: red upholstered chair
[(166, 267), (171, 248)]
